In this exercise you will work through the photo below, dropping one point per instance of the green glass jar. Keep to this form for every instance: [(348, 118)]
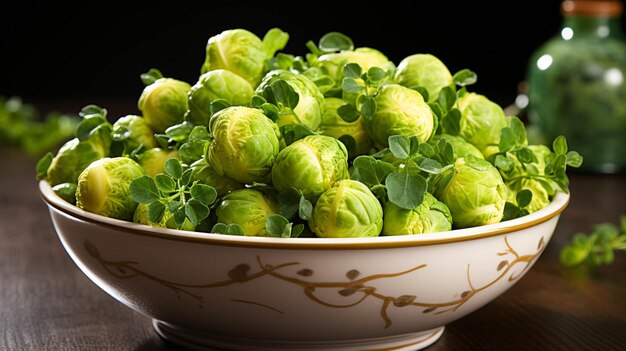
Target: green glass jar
[(576, 84)]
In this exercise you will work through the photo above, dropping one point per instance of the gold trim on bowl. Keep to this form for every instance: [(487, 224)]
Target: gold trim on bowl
[(558, 205)]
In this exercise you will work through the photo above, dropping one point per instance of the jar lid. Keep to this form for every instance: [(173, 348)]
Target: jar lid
[(610, 8)]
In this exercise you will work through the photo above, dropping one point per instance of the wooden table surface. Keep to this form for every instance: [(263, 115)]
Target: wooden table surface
[(47, 303)]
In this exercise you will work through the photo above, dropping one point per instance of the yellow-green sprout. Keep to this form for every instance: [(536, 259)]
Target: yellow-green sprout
[(238, 51), (103, 187), (475, 192), (216, 84), (481, 122), (311, 165), (153, 160), (249, 208), (430, 216), (347, 210), (400, 111), (135, 131), (164, 103), (426, 71), (245, 144)]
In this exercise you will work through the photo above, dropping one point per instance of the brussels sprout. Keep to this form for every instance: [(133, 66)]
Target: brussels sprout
[(216, 84), (423, 70), (335, 126), (459, 145), (204, 173), (348, 209), (238, 51), (153, 161), (310, 104), (430, 216), (103, 187), (365, 57), (245, 144), (311, 165), (164, 103), (249, 208), (135, 131), (66, 191), (74, 156), (481, 122), (167, 221), (402, 111), (473, 191)]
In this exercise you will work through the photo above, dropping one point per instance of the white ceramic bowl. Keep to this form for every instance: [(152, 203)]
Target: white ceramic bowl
[(257, 293)]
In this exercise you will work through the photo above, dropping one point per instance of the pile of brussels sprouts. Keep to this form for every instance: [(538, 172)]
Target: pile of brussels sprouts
[(340, 142)]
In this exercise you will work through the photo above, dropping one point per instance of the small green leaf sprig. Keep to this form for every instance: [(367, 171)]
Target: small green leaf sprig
[(280, 98), (359, 90), (191, 141), (405, 182), (174, 191), (597, 248)]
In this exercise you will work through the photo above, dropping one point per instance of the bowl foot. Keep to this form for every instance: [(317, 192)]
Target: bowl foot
[(196, 340)]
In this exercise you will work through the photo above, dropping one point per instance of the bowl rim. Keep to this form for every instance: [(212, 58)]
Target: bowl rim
[(558, 205)]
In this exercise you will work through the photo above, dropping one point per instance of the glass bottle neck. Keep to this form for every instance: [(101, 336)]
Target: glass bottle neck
[(589, 26)]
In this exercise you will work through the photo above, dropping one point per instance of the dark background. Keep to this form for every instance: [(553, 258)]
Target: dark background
[(96, 51)]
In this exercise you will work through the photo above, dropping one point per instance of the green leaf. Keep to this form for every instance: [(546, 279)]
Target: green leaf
[(447, 97), (257, 101), (349, 142), (511, 212), (429, 165), (196, 211), (179, 132), (165, 183), (351, 86), (275, 224), (559, 145), (573, 159), (518, 131), (424, 92), (335, 41), (348, 113), (191, 151), (218, 105), (504, 163), (400, 146), (86, 127), (151, 76), (572, 255), (199, 134), (436, 109), (42, 166), (352, 70), (92, 110), (273, 41), (144, 190), (174, 206), (284, 94), (507, 140), (376, 74), (293, 132), (406, 190), (427, 150), (368, 107), (324, 83), (297, 230), (464, 77), (371, 171), (66, 191), (525, 155), (451, 122), (289, 202), (185, 179), (219, 228), (476, 163), (203, 193), (155, 211), (270, 110), (234, 229), (305, 209), (523, 198), (174, 168), (180, 215)]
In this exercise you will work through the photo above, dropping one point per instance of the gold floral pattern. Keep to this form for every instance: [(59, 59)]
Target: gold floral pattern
[(353, 285)]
